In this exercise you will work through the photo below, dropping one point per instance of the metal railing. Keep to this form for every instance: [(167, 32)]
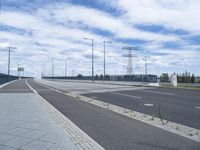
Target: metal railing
[(4, 78), (133, 78)]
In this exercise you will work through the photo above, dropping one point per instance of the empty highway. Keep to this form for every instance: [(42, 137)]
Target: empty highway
[(110, 130), (176, 105)]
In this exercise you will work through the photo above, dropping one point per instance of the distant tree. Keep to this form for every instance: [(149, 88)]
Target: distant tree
[(178, 78), (183, 78), (192, 78), (79, 76), (101, 77), (164, 77)]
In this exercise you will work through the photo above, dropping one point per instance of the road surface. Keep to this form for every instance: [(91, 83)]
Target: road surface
[(110, 130)]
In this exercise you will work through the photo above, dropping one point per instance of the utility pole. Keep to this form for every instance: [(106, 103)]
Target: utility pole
[(92, 40), (104, 68), (9, 51)]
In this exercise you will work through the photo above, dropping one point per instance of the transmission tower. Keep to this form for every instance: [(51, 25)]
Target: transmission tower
[(130, 61)]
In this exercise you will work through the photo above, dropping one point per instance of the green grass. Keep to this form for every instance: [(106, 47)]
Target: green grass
[(181, 85)]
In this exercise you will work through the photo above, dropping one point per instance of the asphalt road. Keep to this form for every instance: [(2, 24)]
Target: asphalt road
[(112, 131), (176, 105), (16, 87)]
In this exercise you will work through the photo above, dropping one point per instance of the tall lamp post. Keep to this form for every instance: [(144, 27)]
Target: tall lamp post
[(92, 40), (9, 51), (104, 68), (0, 6), (43, 70), (145, 65), (52, 68), (18, 70), (65, 67)]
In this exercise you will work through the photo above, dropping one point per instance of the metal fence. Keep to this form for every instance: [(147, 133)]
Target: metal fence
[(133, 78), (4, 78)]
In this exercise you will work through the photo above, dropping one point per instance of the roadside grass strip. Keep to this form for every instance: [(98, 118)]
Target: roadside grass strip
[(179, 129)]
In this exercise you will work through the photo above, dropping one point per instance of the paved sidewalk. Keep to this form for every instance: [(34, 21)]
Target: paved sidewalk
[(26, 125)]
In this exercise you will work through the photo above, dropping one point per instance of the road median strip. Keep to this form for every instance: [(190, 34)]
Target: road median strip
[(179, 129)]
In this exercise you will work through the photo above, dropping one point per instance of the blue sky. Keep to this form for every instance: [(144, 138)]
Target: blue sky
[(166, 32)]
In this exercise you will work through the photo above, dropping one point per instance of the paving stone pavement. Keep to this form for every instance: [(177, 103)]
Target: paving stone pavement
[(26, 125)]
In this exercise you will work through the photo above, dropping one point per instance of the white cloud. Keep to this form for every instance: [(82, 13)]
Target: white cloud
[(179, 14), (58, 27), (68, 14)]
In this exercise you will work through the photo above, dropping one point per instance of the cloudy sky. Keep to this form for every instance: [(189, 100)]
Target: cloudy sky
[(166, 32)]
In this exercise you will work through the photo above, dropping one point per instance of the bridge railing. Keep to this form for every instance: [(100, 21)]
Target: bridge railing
[(4, 78), (133, 78)]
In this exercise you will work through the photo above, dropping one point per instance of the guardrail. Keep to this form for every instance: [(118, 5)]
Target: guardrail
[(134, 78), (4, 78)]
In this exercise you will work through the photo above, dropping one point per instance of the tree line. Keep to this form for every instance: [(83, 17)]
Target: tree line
[(181, 78)]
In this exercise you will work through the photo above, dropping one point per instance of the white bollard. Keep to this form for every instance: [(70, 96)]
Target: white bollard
[(174, 79)]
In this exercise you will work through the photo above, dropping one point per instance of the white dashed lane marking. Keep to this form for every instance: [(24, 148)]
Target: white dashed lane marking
[(126, 95), (149, 105), (197, 107), (94, 97), (156, 92)]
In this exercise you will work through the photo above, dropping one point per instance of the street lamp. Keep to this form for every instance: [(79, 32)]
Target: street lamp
[(0, 6), (65, 67), (145, 61), (18, 70), (43, 70), (92, 40), (104, 45), (9, 50), (52, 68)]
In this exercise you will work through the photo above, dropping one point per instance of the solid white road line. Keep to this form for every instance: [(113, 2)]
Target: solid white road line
[(31, 87), (126, 95)]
